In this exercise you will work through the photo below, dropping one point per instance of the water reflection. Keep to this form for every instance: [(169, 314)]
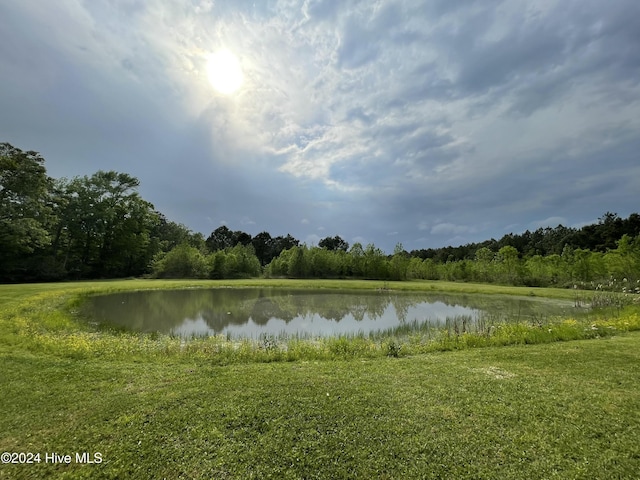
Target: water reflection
[(252, 312)]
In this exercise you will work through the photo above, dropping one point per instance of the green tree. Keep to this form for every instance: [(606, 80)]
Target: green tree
[(298, 267), (430, 269), (263, 245), (540, 274), (399, 263), (585, 265), (104, 227), (222, 237), (25, 211), (624, 261), (184, 261), (356, 255), (170, 234), (375, 263), (334, 243), (507, 257), (327, 263), (281, 243), (237, 262), (247, 264), (415, 270), (484, 259), (219, 265), (558, 270), (321, 263), (267, 248)]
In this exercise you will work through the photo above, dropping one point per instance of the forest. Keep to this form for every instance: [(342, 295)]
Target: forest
[(99, 226)]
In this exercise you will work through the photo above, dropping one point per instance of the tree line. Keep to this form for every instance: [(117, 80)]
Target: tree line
[(99, 226), (598, 237)]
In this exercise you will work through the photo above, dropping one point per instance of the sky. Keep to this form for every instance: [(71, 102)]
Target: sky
[(427, 123)]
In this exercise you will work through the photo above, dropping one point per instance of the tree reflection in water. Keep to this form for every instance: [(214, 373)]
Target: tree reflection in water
[(252, 312)]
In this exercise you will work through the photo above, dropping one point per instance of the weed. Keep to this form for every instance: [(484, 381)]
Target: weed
[(393, 348)]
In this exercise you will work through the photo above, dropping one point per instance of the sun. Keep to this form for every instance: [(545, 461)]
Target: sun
[(224, 72)]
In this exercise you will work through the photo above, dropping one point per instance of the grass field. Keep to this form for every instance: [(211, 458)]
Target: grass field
[(551, 410)]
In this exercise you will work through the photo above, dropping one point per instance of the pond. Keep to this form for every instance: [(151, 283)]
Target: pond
[(258, 312)]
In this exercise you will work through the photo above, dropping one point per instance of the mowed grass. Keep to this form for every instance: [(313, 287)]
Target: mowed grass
[(10, 293), (563, 410), (557, 410)]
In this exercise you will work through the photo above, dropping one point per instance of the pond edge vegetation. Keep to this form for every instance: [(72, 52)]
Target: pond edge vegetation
[(44, 318)]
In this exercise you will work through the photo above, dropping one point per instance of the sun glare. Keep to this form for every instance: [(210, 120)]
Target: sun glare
[(224, 72)]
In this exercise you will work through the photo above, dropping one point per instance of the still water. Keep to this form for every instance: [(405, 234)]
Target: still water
[(255, 312)]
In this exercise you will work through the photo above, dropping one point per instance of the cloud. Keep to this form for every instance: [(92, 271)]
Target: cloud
[(450, 229), (312, 240), (441, 121)]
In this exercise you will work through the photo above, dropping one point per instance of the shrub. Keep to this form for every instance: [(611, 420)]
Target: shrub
[(184, 261)]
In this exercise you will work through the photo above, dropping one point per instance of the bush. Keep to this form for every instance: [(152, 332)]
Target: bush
[(237, 262), (184, 261)]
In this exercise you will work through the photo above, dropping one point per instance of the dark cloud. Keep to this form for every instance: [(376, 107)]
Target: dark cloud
[(420, 122)]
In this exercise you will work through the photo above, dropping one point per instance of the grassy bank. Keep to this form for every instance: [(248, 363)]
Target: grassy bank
[(153, 407)]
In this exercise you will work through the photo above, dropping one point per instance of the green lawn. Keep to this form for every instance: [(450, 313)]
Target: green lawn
[(557, 410)]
